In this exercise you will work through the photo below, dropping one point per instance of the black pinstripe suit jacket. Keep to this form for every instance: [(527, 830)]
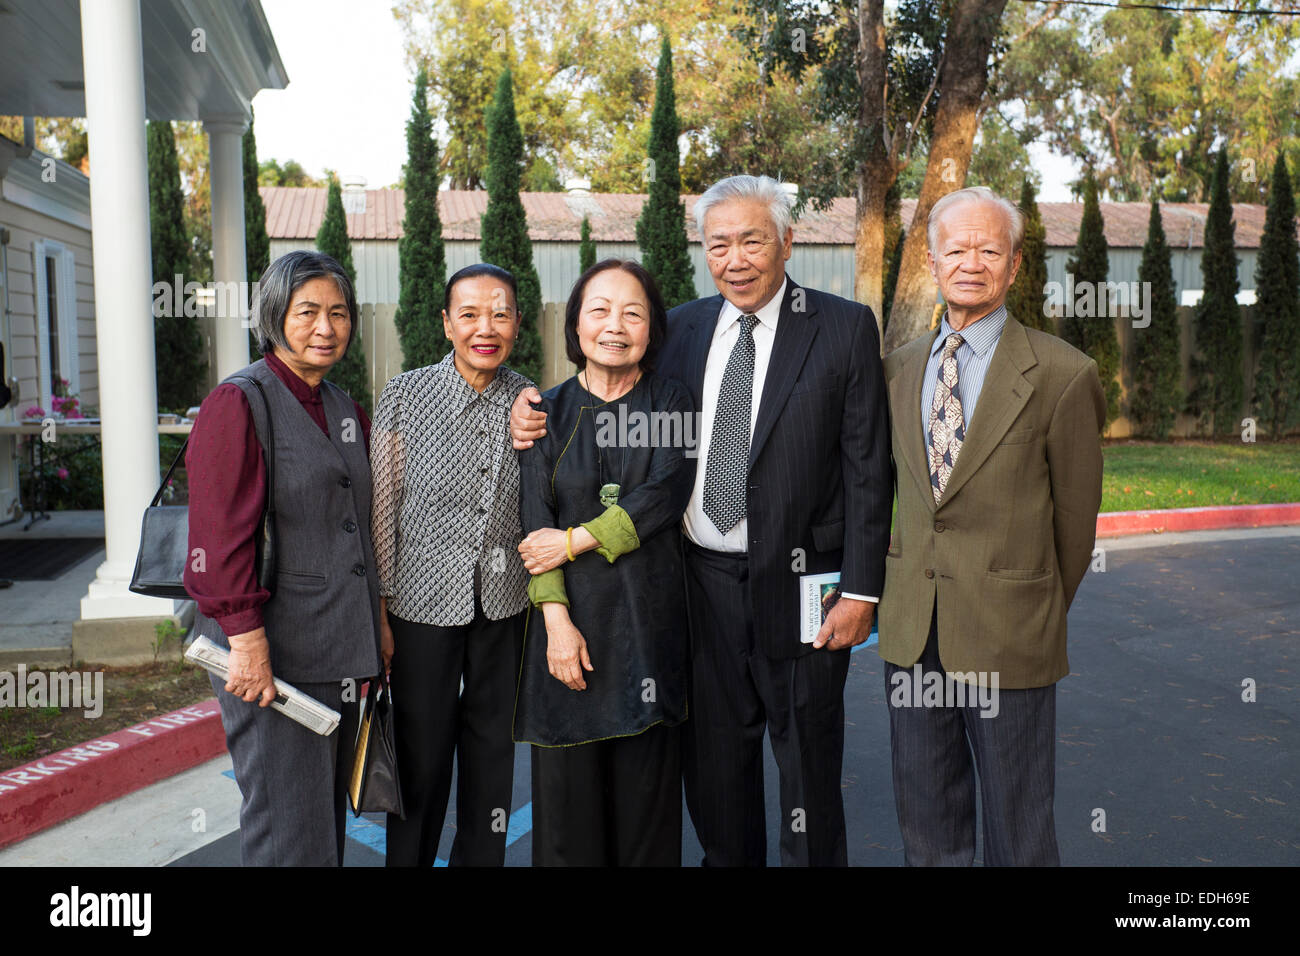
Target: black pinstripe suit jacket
[(820, 483)]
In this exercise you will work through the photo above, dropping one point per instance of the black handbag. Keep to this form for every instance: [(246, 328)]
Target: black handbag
[(165, 532), (375, 787)]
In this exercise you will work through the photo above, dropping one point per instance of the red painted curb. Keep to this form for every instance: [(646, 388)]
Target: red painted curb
[(1117, 523), (44, 792)]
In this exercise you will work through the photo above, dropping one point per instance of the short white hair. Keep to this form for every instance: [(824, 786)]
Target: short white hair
[(764, 189), (973, 194)]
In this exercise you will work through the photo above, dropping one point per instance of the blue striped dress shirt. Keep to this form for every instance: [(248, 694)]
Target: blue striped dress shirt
[(973, 358)]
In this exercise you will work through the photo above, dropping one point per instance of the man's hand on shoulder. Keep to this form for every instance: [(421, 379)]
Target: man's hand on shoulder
[(527, 424)]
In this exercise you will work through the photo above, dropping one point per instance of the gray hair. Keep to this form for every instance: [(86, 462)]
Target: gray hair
[(282, 278), (764, 189), (972, 194)]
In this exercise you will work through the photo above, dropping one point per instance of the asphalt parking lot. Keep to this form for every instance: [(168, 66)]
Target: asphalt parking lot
[(1152, 728)]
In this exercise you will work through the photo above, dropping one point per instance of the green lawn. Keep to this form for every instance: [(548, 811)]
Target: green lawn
[(1142, 475)]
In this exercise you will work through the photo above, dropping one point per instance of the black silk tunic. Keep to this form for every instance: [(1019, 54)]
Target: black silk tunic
[(632, 612)]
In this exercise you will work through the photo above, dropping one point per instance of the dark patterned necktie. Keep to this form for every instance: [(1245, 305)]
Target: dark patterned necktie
[(947, 424), (728, 465)]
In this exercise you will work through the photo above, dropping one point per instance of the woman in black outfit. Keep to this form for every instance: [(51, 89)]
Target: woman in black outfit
[(603, 685)]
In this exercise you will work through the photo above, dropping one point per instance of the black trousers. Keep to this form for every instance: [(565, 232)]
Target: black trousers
[(737, 691), (614, 802), (935, 752), (434, 721), (293, 781)]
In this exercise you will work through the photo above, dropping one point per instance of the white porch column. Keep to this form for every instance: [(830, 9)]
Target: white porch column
[(226, 172), (119, 209)]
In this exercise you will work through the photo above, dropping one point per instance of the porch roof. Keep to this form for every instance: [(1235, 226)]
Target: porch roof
[(41, 66)]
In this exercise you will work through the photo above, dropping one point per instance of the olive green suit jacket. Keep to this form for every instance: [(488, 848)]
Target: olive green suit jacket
[(1001, 555)]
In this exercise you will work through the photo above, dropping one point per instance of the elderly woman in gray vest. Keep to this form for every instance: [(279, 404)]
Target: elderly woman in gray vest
[(453, 587), (318, 629)]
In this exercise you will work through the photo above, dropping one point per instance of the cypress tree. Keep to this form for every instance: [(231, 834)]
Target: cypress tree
[(661, 228), (332, 237), (422, 258), (586, 248), (1217, 365), (1093, 331), (178, 346), (257, 244), (352, 372), (505, 228), (1157, 369), (1277, 308), (1026, 296)]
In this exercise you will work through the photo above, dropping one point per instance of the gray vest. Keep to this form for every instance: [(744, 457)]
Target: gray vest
[(322, 621)]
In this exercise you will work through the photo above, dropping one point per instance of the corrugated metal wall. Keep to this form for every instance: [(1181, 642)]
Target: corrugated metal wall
[(1186, 265), (825, 267), (375, 262)]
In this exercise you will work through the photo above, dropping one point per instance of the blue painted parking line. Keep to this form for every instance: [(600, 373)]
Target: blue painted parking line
[(366, 832), (521, 821), (372, 836)]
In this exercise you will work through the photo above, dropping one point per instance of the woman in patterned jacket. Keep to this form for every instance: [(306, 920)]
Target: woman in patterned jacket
[(453, 589)]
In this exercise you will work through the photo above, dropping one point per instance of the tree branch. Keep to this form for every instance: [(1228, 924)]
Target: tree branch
[(934, 82), (1052, 10)]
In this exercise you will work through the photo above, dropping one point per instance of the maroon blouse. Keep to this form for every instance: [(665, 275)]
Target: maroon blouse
[(227, 494)]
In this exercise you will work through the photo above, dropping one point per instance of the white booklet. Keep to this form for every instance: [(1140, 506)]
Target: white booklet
[(817, 595), (289, 700)]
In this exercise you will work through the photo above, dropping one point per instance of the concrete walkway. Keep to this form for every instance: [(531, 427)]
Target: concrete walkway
[(152, 827), (36, 617)]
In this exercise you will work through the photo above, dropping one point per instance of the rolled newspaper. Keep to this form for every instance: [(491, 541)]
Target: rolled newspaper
[(289, 700)]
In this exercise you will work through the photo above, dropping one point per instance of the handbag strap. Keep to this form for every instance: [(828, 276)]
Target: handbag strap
[(168, 477), (268, 449), (268, 446)]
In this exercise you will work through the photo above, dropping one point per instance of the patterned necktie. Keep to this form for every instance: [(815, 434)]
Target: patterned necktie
[(947, 425), (724, 476)]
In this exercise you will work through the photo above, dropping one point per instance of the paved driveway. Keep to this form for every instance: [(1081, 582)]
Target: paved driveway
[(1151, 725)]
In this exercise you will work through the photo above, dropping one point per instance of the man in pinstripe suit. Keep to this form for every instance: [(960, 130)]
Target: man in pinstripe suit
[(996, 440), (792, 478)]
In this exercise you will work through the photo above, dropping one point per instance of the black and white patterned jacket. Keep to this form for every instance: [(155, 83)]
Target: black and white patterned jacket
[(446, 496)]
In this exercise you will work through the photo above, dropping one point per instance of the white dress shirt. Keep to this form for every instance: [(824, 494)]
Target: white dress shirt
[(695, 523)]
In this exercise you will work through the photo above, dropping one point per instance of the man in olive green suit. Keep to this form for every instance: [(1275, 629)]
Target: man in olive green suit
[(997, 454)]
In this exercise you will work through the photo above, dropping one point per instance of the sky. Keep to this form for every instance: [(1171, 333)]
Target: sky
[(349, 95), (1057, 172)]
